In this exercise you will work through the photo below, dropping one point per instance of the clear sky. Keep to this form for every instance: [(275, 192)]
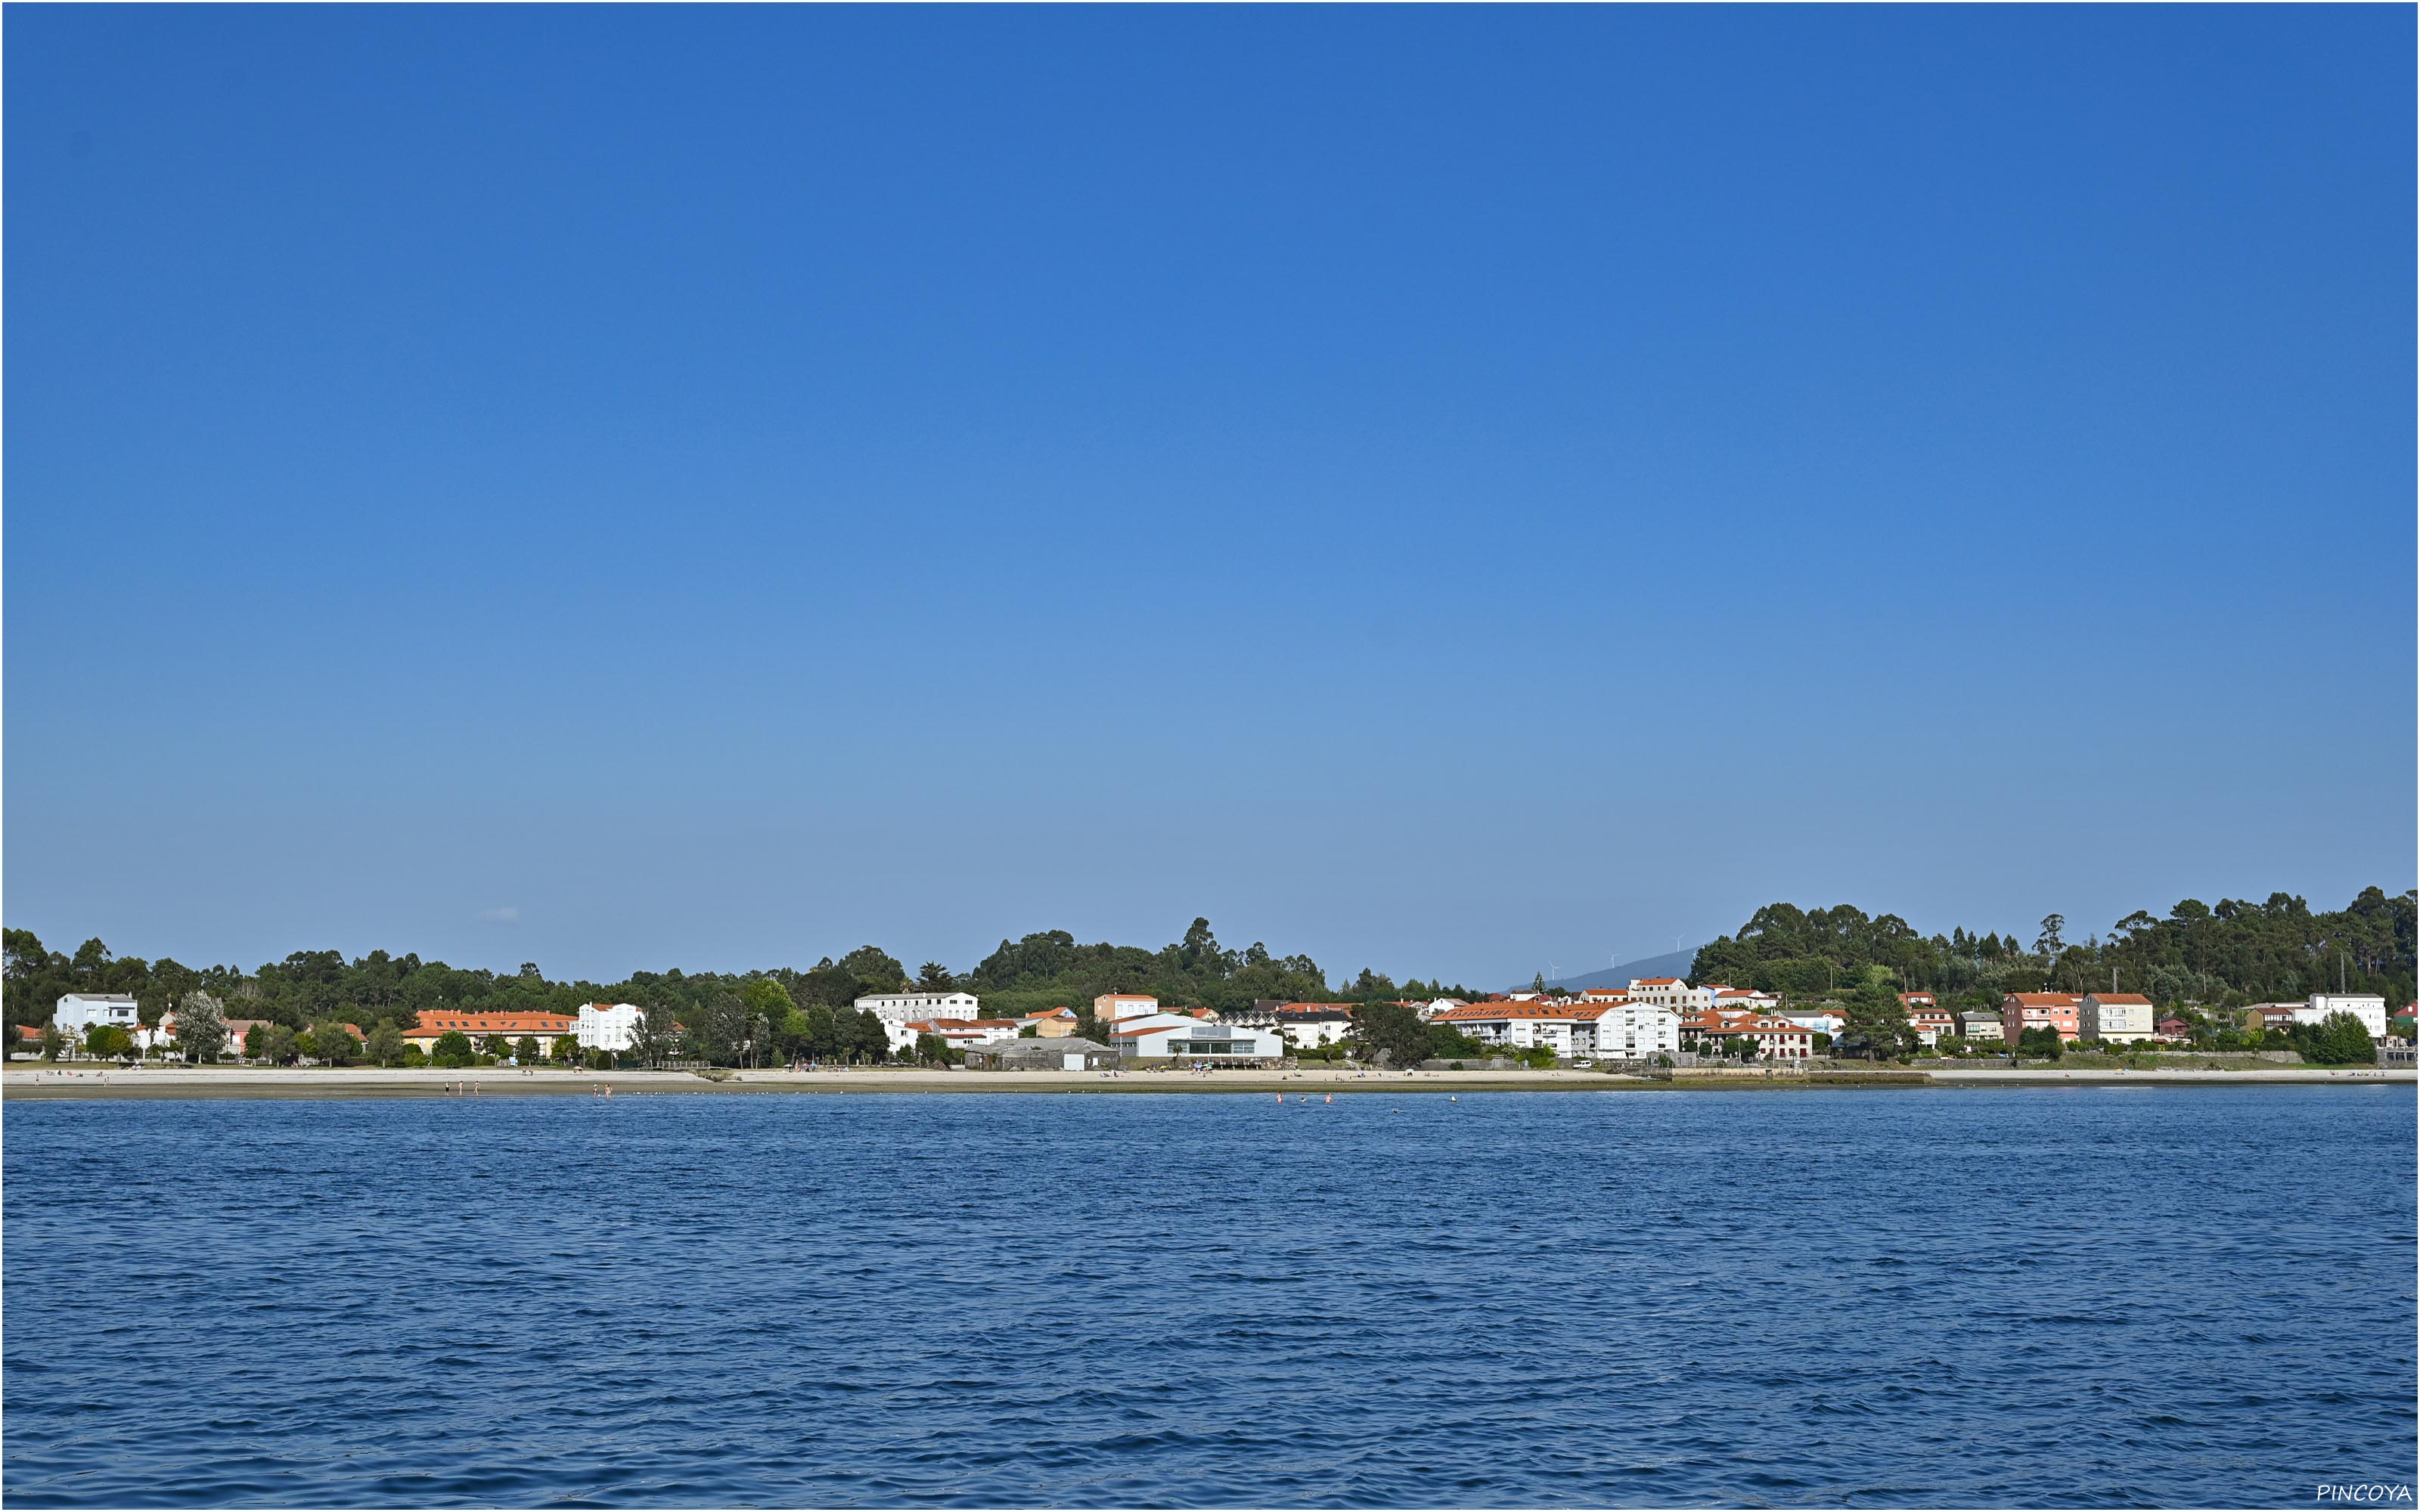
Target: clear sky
[(1450, 490)]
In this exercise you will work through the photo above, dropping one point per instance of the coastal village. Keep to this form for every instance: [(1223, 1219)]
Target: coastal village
[(1655, 1022)]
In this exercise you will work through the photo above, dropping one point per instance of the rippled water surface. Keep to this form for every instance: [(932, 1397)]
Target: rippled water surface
[(1963, 1298)]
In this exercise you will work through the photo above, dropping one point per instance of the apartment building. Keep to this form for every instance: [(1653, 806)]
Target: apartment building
[(2020, 1011), (1672, 993), (2365, 1007), (896, 1009), (1774, 1039), (1527, 1023), (545, 1028), (1743, 999), (1624, 1031), (78, 1011), (2115, 1018), (610, 1026)]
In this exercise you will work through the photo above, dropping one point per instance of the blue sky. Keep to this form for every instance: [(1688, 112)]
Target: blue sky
[(1449, 490)]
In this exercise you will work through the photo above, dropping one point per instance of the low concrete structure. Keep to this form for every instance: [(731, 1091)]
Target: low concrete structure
[(958, 1034), (1059, 1053), (1183, 1037)]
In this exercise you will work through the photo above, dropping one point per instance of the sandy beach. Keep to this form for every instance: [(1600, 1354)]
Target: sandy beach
[(371, 1081)]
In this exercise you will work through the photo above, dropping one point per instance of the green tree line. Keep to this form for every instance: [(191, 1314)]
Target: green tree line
[(2198, 955), (726, 1018)]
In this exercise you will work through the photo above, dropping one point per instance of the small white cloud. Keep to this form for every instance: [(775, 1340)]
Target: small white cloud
[(500, 916)]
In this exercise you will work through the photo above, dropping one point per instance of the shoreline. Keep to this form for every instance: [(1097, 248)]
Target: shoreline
[(286, 1084)]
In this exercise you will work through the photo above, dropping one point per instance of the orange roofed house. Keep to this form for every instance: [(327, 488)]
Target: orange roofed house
[(544, 1027), (2119, 1018), (1057, 1024), (1932, 1021), (1310, 1025), (1774, 1039), (2020, 1011)]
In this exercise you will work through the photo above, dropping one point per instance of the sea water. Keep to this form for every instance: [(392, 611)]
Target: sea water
[(2081, 1296)]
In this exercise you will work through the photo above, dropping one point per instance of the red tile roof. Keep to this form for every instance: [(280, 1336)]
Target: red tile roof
[(446, 1021), (1490, 1013)]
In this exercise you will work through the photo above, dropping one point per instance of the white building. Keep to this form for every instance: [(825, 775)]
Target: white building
[(1311, 1026), (1631, 1031), (898, 1009), (2370, 1010), (1110, 1007), (1743, 1000), (1774, 1039), (1527, 1023), (958, 1034), (1183, 1037), (2119, 1018), (1672, 993), (612, 1027), (78, 1011)]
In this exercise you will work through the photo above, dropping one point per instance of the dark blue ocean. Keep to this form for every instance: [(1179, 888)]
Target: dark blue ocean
[(2089, 1297)]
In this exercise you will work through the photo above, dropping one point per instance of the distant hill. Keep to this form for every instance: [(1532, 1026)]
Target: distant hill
[(1675, 965)]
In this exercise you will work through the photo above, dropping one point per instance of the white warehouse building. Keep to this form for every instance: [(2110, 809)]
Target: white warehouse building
[(1183, 1037)]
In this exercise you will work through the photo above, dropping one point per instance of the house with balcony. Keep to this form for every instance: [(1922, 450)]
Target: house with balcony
[(1623, 1030), (2020, 1011), (1312, 1026), (2115, 1018), (1672, 993), (545, 1028), (1567, 1028)]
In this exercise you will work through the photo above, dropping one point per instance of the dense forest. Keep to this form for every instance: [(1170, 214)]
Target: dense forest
[(1042, 971), (2226, 956)]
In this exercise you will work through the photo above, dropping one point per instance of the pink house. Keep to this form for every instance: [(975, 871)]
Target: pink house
[(2020, 1011)]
